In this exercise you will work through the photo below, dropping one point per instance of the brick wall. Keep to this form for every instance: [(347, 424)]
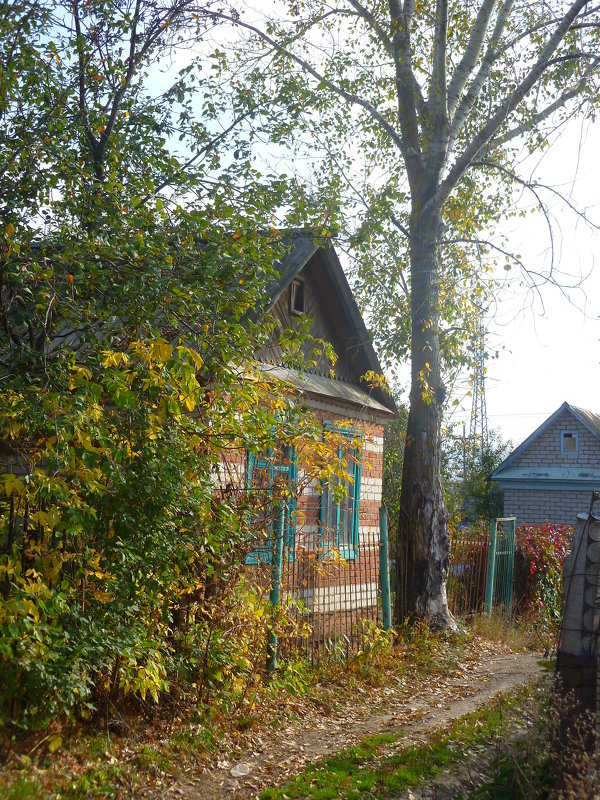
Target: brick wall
[(545, 451), (538, 506)]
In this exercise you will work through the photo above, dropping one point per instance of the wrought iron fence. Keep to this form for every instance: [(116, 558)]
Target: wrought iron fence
[(328, 597), (469, 550)]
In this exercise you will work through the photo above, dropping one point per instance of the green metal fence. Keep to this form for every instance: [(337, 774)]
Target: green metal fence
[(500, 567)]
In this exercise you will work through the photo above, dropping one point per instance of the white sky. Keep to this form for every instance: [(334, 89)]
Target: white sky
[(552, 354)]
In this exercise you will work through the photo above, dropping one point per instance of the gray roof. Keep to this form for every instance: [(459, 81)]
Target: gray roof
[(326, 387), (588, 419)]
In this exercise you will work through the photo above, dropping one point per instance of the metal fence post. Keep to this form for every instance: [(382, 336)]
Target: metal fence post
[(384, 569), (275, 594), (491, 569)]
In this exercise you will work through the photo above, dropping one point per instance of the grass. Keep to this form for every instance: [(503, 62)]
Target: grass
[(497, 627), (367, 767), (24, 789)]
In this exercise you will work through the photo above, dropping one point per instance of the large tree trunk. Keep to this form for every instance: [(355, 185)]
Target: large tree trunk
[(423, 536)]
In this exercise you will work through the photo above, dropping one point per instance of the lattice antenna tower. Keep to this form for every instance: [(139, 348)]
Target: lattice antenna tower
[(478, 429)]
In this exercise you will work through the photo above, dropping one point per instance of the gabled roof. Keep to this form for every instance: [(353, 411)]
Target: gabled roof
[(588, 419), (344, 311)]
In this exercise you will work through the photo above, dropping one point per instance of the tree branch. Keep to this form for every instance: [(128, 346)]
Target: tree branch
[(471, 54), (509, 105), (533, 187), (519, 130), (333, 87), (371, 20), (405, 89), (465, 106)]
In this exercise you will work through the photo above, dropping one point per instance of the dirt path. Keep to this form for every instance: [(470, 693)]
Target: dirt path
[(272, 757)]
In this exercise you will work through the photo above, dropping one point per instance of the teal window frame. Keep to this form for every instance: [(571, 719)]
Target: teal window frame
[(264, 553), (332, 528)]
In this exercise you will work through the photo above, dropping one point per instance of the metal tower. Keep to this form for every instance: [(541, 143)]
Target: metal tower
[(478, 429)]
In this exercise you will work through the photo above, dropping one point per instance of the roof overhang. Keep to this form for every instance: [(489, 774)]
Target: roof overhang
[(309, 384), (549, 478)]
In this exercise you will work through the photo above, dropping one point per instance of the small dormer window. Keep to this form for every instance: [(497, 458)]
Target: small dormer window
[(297, 298), (569, 443)]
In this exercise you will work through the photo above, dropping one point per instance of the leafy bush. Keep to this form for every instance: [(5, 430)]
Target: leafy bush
[(540, 551)]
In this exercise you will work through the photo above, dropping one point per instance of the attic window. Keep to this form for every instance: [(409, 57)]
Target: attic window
[(569, 443), (297, 304)]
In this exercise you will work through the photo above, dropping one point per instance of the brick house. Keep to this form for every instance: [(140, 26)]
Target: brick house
[(550, 476), (331, 553)]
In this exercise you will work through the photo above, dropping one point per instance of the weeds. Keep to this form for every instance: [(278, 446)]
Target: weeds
[(517, 634)]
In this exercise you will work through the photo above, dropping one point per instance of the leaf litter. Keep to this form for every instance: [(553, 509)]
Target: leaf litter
[(413, 705)]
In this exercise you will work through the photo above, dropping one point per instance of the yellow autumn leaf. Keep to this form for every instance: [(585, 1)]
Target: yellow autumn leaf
[(113, 359), (12, 484), (188, 402), (161, 350)]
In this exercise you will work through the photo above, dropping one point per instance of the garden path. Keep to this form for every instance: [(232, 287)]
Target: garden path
[(429, 702)]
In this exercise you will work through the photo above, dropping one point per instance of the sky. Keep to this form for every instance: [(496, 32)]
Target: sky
[(551, 352)]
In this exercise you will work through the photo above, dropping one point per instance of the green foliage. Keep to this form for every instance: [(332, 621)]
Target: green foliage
[(540, 552), (134, 250), (466, 473)]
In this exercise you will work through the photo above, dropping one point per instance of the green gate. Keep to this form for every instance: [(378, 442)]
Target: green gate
[(500, 568)]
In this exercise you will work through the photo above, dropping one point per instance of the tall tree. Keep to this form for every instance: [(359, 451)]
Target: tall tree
[(432, 101)]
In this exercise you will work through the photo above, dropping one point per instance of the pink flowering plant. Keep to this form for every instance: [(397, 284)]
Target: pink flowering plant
[(542, 549)]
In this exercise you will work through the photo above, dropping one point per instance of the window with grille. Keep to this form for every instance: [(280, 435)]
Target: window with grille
[(340, 498)]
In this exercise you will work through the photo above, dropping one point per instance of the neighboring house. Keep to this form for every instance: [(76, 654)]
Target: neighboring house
[(550, 476), (331, 555)]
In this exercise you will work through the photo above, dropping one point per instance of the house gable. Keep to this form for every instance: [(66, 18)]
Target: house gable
[(547, 457), (551, 474), (313, 274)]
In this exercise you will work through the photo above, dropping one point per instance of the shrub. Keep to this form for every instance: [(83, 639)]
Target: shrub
[(541, 550)]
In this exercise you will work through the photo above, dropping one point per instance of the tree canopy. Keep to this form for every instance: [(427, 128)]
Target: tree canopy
[(135, 238)]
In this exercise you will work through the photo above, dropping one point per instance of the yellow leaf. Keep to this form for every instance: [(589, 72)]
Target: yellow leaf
[(54, 742), (10, 229), (161, 350), (12, 484)]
